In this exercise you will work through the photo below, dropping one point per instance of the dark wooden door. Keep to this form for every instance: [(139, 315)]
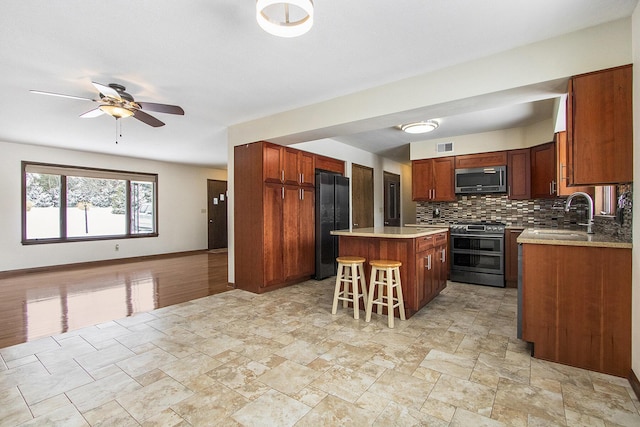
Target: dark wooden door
[(391, 199), (362, 196), (217, 212)]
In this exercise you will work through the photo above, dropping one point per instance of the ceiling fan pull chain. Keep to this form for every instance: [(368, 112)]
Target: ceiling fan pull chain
[(117, 131)]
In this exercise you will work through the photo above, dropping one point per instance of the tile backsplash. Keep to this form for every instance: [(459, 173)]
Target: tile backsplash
[(547, 213)]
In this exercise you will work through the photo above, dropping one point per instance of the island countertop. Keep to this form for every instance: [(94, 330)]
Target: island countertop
[(391, 232), (543, 236)]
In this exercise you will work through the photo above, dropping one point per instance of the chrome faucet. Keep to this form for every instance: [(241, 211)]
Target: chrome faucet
[(589, 223)]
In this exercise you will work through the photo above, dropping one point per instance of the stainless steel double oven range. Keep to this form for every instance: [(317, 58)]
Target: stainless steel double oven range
[(477, 253)]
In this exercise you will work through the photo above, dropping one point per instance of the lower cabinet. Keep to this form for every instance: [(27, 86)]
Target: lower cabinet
[(577, 306), (511, 256), (431, 267)]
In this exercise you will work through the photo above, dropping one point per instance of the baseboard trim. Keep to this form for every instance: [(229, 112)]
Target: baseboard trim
[(635, 383), (53, 268)]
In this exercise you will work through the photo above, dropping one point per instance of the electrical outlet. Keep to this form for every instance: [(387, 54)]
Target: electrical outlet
[(117, 247)]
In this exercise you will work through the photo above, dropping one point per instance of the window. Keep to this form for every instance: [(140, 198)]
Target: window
[(65, 203)]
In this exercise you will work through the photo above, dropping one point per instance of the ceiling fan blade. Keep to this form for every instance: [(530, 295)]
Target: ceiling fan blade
[(107, 91), (161, 108), (148, 119), (39, 92), (92, 113)]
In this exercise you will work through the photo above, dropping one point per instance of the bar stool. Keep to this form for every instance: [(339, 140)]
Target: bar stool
[(350, 272), (385, 274)]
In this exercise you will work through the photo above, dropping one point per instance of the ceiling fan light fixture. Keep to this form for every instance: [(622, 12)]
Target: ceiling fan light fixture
[(274, 16), (420, 127), (116, 111)]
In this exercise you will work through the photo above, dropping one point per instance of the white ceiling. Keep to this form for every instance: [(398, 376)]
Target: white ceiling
[(211, 58)]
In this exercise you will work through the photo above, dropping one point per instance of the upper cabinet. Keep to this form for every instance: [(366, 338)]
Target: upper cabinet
[(561, 152), (519, 174), (600, 128), (432, 179), (286, 165), (543, 171), (482, 160)]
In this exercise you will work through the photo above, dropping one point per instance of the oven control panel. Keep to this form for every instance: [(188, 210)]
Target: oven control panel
[(477, 228)]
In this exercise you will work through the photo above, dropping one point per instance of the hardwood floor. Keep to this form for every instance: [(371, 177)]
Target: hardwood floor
[(34, 305)]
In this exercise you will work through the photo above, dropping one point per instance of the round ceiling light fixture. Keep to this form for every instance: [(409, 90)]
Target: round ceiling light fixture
[(420, 127), (285, 18)]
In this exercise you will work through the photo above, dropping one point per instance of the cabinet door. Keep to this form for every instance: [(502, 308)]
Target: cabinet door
[(273, 234), (421, 179), (563, 172), (481, 160), (543, 171), (272, 163), (443, 179), (290, 166), (306, 168), (600, 125), (425, 284), (519, 174), (441, 268), (291, 231), (511, 257), (306, 238)]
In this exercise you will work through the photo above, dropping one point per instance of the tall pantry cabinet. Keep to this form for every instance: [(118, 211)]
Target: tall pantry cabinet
[(274, 216)]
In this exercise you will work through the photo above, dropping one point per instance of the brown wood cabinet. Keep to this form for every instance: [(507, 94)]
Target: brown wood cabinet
[(511, 256), (288, 166), (432, 180), (543, 171), (329, 164), (424, 263), (577, 306), (519, 174), (600, 127), (275, 232), (563, 178), (481, 160)]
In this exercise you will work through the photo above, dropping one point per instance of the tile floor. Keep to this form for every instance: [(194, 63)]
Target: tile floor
[(282, 359)]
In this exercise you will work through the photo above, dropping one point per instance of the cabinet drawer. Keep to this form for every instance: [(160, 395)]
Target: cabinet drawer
[(439, 238), (424, 243)]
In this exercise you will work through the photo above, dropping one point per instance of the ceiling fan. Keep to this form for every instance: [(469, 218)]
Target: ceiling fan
[(117, 103)]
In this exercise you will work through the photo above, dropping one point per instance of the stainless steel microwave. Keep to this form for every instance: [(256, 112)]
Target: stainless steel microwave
[(481, 180)]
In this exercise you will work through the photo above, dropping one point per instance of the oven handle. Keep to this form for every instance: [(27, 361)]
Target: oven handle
[(482, 236)]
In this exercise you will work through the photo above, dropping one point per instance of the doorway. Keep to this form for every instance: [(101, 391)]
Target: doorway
[(391, 199), (217, 212), (362, 196)]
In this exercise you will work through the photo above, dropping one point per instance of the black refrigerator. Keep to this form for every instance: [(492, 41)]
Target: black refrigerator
[(332, 213)]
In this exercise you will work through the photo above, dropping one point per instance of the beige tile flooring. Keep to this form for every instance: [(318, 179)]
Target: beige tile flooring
[(282, 359)]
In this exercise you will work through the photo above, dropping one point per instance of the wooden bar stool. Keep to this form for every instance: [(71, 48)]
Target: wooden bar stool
[(350, 273), (385, 274)]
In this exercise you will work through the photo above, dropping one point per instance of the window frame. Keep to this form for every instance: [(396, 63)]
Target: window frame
[(87, 172)]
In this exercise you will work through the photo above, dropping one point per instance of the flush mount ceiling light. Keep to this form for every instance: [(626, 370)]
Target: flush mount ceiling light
[(116, 111), (285, 18), (420, 127)]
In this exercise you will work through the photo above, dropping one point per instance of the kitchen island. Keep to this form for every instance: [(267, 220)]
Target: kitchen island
[(423, 252), (576, 299)]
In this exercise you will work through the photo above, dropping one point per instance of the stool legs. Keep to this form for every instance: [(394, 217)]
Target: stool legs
[(389, 281), (349, 276)]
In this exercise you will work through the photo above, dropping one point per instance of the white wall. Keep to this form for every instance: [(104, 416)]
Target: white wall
[(351, 155), (506, 139), (182, 195), (635, 304)]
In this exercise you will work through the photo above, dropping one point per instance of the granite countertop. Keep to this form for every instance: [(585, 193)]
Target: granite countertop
[(554, 236), (391, 232)]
